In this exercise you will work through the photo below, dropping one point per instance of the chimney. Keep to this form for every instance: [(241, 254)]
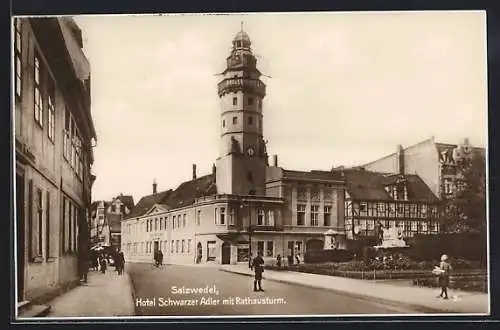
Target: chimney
[(214, 170), (401, 159), (275, 160), (154, 186), (194, 171)]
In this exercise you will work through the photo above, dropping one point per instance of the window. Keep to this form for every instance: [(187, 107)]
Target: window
[(215, 217), (177, 246), (38, 105), (47, 227), (260, 246), (301, 215), (327, 216), (381, 209), (178, 221), (363, 208), (51, 95), (223, 123), (184, 221), (270, 217), (18, 58), (172, 246), (371, 224), (173, 222), (362, 224), (156, 224), (67, 135), (198, 218), (414, 226), (314, 215), (183, 246), (448, 186), (260, 218), (250, 120), (235, 100), (424, 227), (235, 120), (161, 223), (423, 211), (189, 246), (39, 223), (270, 249), (222, 215), (232, 216)]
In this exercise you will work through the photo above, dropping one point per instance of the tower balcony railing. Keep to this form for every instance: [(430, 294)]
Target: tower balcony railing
[(241, 84)]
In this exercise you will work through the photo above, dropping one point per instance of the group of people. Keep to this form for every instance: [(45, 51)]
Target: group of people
[(100, 261)]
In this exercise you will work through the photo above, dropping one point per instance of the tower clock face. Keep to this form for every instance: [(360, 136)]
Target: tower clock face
[(250, 151)]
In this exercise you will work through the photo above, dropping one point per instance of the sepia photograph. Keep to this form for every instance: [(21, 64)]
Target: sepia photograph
[(249, 165)]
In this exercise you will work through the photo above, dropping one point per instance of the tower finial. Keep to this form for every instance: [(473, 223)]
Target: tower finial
[(241, 26)]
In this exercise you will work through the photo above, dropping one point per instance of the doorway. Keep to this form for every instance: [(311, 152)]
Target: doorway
[(199, 253), (20, 234), (156, 246), (226, 253)]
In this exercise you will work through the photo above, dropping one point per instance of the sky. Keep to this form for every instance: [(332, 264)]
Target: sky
[(342, 89)]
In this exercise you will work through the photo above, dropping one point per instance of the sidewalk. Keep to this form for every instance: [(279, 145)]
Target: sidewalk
[(420, 299), (104, 295)]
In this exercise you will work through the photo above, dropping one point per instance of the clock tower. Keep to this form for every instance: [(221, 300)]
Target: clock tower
[(242, 162)]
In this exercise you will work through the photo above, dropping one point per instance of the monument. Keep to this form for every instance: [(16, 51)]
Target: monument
[(389, 238)]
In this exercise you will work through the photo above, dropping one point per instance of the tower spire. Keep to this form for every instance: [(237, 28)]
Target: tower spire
[(241, 26)]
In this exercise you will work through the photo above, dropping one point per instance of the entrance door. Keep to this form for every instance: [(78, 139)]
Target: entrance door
[(226, 253), (199, 253), (156, 246), (20, 234), (291, 252)]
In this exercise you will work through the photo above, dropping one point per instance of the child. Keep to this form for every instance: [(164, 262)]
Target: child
[(444, 276)]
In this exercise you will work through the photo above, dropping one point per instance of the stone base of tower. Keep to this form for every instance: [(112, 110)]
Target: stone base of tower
[(240, 175)]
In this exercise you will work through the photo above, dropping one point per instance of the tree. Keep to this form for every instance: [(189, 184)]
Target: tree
[(465, 211)]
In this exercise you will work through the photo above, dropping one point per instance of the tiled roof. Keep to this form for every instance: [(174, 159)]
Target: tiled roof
[(146, 202), (127, 200), (313, 175), (188, 191), (367, 185), (183, 195)]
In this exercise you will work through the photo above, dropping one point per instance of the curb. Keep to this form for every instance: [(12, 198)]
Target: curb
[(136, 312), (395, 303)]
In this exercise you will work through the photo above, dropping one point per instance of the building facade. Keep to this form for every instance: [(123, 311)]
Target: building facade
[(245, 205), (105, 220), (434, 162), (375, 200), (53, 154)]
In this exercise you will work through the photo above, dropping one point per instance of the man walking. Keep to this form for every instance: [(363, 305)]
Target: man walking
[(160, 258), (258, 267)]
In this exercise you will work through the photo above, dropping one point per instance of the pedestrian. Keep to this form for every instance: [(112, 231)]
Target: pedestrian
[(160, 258), (444, 276), (258, 267), (103, 264), (155, 258), (120, 262), (278, 261)]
